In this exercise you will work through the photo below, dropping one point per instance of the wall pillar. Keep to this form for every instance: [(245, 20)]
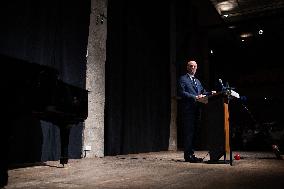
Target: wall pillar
[(93, 135), (173, 122)]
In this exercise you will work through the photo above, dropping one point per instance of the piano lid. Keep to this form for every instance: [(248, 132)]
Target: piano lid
[(35, 88)]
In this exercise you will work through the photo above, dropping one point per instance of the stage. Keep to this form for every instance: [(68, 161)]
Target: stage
[(152, 170)]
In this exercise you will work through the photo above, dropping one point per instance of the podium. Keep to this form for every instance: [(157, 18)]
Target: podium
[(217, 126)]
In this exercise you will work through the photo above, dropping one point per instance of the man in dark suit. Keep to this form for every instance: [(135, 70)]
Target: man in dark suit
[(190, 89)]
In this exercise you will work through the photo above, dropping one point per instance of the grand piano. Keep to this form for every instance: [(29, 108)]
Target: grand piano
[(35, 90)]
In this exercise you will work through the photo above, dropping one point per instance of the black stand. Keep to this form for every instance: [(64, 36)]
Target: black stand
[(216, 122)]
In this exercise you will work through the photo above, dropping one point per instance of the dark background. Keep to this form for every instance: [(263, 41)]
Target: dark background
[(254, 67), (137, 112), (52, 34), (137, 77)]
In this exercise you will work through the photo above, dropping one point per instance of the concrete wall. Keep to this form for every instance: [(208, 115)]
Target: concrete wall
[(93, 135), (173, 123)]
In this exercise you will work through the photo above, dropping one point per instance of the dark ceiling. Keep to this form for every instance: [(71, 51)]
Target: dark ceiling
[(241, 10), (247, 45), (247, 17)]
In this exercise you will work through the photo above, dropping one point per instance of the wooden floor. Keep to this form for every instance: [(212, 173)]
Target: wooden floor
[(153, 170)]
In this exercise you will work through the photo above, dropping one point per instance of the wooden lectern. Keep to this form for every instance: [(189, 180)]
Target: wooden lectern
[(216, 122)]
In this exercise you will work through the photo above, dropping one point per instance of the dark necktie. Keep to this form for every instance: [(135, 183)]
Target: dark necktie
[(194, 83)]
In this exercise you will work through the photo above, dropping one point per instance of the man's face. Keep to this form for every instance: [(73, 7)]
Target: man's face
[(191, 67)]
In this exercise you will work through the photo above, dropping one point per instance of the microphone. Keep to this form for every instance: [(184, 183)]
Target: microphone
[(221, 83), (227, 85)]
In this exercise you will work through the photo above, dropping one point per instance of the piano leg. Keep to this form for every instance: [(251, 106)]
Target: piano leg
[(64, 137), (3, 166), (4, 148), (3, 174)]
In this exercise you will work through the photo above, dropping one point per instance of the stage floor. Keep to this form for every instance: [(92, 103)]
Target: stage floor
[(152, 170)]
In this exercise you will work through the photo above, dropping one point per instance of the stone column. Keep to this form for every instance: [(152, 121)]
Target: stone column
[(93, 135), (173, 123)]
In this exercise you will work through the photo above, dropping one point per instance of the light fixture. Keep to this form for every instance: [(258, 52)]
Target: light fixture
[(246, 35), (226, 6)]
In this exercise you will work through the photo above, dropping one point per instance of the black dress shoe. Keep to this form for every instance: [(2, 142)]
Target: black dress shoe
[(193, 159)]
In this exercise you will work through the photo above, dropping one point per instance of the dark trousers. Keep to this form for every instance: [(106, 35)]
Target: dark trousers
[(191, 123)]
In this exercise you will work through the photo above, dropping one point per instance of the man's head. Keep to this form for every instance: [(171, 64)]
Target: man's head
[(191, 67)]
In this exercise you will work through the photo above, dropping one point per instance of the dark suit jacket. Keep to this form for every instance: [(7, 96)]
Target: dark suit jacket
[(188, 93)]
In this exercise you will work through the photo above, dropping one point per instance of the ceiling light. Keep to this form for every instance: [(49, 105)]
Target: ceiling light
[(260, 32), (245, 35), (226, 6)]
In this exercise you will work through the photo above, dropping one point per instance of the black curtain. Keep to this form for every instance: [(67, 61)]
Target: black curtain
[(137, 77), (53, 33)]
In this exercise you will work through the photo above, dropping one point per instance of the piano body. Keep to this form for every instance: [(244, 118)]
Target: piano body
[(35, 90)]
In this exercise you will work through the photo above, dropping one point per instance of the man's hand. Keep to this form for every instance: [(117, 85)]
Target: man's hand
[(200, 96)]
